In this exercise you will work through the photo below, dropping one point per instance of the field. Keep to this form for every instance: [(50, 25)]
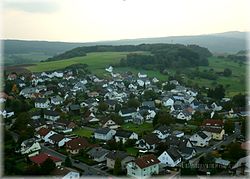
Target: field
[(139, 129), (83, 132), (98, 61)]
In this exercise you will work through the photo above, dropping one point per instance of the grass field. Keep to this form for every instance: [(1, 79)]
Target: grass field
[(139, 129), (99, 60), (83, 132)]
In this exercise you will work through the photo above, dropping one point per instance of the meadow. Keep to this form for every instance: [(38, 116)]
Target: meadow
[(98, 61)]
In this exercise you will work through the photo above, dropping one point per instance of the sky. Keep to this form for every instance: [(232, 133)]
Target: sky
[(98, 20)]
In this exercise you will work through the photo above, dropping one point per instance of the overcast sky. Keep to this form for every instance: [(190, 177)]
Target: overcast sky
[(96, 20)]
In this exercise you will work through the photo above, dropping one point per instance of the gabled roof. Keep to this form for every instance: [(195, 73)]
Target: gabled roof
[(41, 100), (128, 110), (202, 135), (151, 139), (117, 154), (40, 158), (146, 161), (102, 130), (123, 133), (213, 130), (51, 113), (43, 131), (213, 122), (77, 143), (173, 153), (97, 152), (56, 137), (164, 129)]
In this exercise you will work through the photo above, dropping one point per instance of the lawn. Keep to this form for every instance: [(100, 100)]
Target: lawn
[(139, 129), (132, 151), (83, 132)]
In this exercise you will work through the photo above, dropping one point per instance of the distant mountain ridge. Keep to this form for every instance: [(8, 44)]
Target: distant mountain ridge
[(219, 43)]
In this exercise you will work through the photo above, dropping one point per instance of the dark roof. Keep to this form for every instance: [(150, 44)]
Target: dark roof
[(173, 153), (117, 154), (202, 135), (187, 150), (212, 122), (123, 133), (128, 110), (150, 104), (77, 143), (97, 152), (146, 161), (102, 130), (51, 113), (213, 130), (164, 129), (56, 137), (41, 100), (40, 158), (74, 107), (151, 139)]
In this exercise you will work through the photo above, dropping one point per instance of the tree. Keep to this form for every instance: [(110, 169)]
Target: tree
[(229, 126), (47, 166), (117, 167), (133, 103), (103, 106), (227, 72), (235, 151), (163, 117), (149, 95), (68, 162)]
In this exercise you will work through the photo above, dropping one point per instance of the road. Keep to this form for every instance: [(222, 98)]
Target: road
[(205, 151), (88, 170)]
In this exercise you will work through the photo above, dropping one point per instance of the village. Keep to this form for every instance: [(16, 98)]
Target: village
[(122, 125)]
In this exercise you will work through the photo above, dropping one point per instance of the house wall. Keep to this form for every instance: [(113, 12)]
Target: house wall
[(137, 172), (33, 148), (166, 159), (46, 138)]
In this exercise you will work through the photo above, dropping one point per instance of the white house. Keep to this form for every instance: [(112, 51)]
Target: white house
[(109, 69), (171, 157), (200, 139), (44, 134), (58, 139), (162, 131), (56, 100), (141, 75), (30, 147), (51, 115), (168, 102), (42, 103), (143, 167), (125, 135), (104, 134)]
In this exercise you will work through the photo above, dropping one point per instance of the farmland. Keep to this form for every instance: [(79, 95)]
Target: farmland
[(97, 61)]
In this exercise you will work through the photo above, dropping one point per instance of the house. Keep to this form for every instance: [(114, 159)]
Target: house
[(74, 109), (51, 115), (36, 115), (143, 167), (12, 76), (242, 166), (141, 75), (215, 107), (64, 125), (177, 133), (122, 135), (200, 139), (215, 133), (222, 163), (111, 104), (37, 124), (42, 103), (150, 104), (28, 91), (30, 147), (127, 112), (114, 155), (58, 140), (162, 131), (213, 123), (42, 157), (56, 100), (168, 101), (75, 145), (170, 157), (65, 173), (109, 69), (93, 94), (184, 115), (98, 154), (109, 123), (44, 134), (104, 133), (148, 142)]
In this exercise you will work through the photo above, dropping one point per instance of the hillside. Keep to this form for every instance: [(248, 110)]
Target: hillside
[(23, 52)]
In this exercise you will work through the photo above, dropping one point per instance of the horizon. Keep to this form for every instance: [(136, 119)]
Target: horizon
[(91, 21), (44, 40)]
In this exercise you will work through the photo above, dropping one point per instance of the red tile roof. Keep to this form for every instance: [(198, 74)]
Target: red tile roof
[(146, 161), (39, 159), (43, 131)]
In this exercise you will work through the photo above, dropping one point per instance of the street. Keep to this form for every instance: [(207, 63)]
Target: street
[(88, 170)]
